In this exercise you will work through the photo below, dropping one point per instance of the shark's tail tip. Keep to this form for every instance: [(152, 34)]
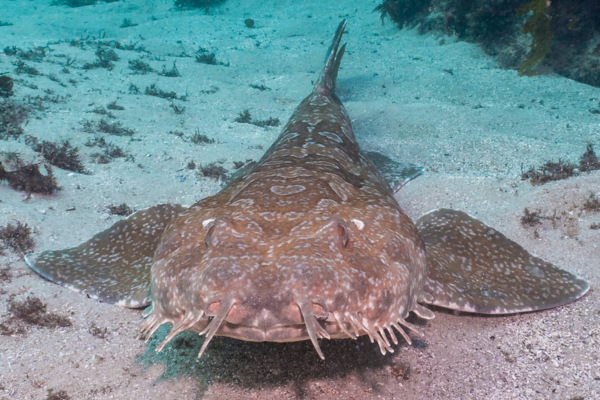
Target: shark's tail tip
[(326, 82)]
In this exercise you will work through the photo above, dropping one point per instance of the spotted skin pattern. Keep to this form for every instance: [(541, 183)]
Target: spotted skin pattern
[(475, 268), (309, 244), (114, 265)]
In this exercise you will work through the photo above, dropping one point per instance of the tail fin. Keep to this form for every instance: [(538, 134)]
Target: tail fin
[(326, 82)]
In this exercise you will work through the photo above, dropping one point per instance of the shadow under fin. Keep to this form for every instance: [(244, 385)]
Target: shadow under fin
[(396, 174), (474, 268), (113, 266)]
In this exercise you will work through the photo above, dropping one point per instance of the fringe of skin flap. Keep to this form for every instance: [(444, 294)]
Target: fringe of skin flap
[(153, 322), (214, 325), (315, 331), (376, 333)]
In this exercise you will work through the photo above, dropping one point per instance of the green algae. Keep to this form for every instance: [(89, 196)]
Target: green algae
[(538, 25)]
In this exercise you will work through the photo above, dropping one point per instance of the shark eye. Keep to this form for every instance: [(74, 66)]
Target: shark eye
[(208, 237), (220, 229), (343, 233)]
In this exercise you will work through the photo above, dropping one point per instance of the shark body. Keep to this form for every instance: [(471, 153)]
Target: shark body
[(310, 243)]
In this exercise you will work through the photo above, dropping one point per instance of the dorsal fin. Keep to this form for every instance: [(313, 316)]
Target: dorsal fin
[(326, 82)]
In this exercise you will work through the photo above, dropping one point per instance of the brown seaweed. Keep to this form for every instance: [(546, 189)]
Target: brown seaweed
[(6, 86), (16, 238), (31, 311), (62, 156), (29, 179), (531, 218), (12, 116), (122, 210), (550, 171), (589, 161)]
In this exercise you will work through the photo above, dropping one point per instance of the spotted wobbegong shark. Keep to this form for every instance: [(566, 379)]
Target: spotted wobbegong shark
[(308, 243)]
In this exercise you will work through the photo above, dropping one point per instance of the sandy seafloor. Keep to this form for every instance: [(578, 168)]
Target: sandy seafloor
[(473, 128)]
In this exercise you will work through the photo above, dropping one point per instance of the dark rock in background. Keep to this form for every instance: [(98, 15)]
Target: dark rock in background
[(533, 36)]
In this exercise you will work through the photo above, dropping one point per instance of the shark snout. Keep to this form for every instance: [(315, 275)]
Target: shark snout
[(260, 318), (264, 312)]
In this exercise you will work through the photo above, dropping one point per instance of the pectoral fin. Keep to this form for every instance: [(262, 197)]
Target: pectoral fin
[(474, 268), (113, 266)]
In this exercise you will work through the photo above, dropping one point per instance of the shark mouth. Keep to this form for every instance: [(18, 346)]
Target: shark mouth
[(345, 325)]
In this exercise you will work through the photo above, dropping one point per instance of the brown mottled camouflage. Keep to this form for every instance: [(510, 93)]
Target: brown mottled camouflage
[(309, 244)]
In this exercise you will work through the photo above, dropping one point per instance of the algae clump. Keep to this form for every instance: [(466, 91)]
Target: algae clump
[(538, 25)]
